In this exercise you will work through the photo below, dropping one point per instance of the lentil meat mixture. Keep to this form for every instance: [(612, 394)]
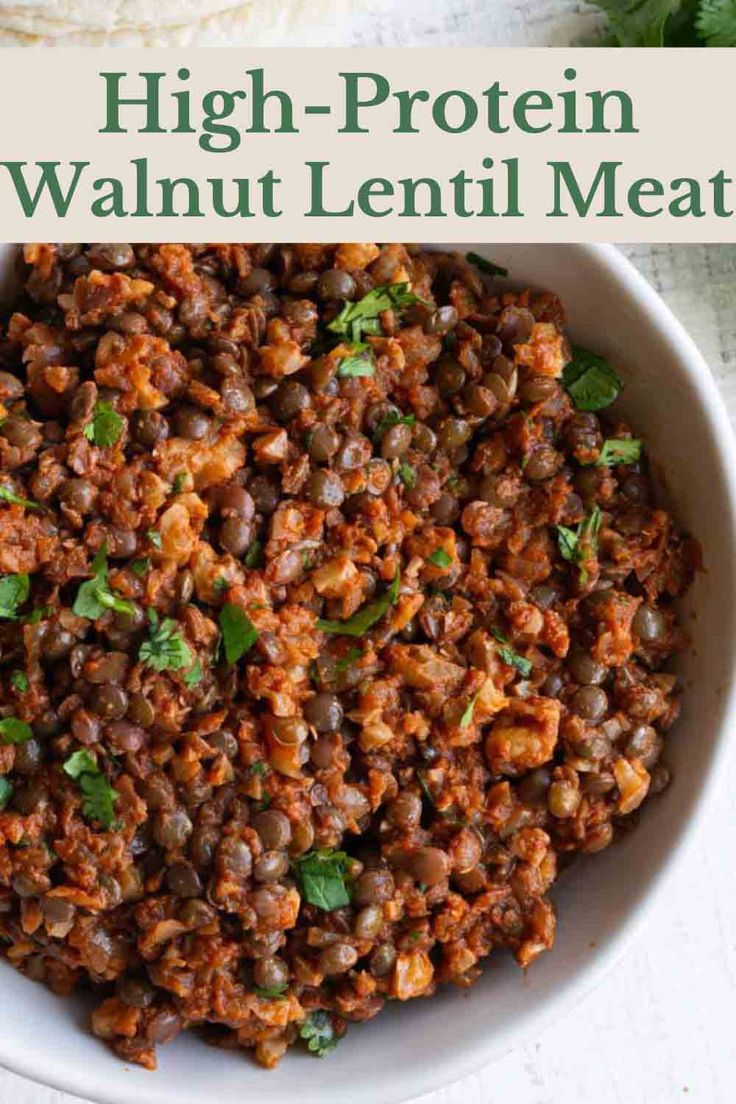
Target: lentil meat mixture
[(333, 613)]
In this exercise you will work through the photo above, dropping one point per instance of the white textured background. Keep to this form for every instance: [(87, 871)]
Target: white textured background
[(661, 1027)]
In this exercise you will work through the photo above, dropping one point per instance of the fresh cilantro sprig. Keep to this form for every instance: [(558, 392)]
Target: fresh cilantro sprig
[(14, 590), (361, 621), (356, 320), (581, 543), (670, 22), (319, 1033), (166, 649), (239, 634), (98, 796), (94, 596), (322, 877), (105, 426)]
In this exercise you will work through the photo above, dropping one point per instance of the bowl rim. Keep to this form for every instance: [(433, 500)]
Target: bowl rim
[(412, 1080)]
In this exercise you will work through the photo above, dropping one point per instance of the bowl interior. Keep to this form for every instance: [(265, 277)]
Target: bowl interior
[(672, 402)]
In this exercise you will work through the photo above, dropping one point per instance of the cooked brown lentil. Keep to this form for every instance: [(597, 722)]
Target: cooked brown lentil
[(323, 635)]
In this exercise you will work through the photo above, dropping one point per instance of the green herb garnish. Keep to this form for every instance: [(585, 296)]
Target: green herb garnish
[(439, 558), (591, 382), (392, 419), (254, 556), (485, 265), (40, 613), (407, 475), (194, 676), (14, 590), (361, 621), (140, 567), (179, 480), (467, 718), (13, 731), (6, 791), (357, 319), (581, 543), (94, 596), (670, 22), (258, 768), (105, 425), (360, 363), (239, 634), (154, 537), (322, 878), (276, 991), (512, 658), (318, 1033), (166, 649), (98, 796), (16, 500), (347, 660), (619, 450), (19, 679)]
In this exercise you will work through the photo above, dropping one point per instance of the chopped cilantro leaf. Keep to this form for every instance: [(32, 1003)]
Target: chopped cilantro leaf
[(407, 475), (485, 265), (439, 558), (512, 658), (258, 768), (140, 567), (254, 556), (6, 791), (361, 621), (467, 718), (392, 419), (239, 634), (357, 319), (15, 500), (105, 426), (273, 993), (581, 543), (591, 382), (98, 796), (194, 676), (14, 590), (347, 660), (318, 1033), (619, 450), (179, 480), (19, 679), (94, 596), (13, 731), (360, 363), (154, 537), (166, 649), (322, 878)]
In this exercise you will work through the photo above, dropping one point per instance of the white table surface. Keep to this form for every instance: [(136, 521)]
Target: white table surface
[(661, 1028)]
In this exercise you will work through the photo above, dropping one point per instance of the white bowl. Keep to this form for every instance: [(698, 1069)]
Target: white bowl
[(672, 401)]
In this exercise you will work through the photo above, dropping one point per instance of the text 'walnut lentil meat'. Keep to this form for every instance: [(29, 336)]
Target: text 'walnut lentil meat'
[(332, 618)]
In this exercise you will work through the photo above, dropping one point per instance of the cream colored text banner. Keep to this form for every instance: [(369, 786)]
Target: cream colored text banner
[(419, 145)]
